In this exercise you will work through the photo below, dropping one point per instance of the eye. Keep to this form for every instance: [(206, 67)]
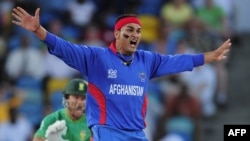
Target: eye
[(129, 30)]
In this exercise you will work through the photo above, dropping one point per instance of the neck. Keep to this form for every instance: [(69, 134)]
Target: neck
[(122, 52), (116, 47), (125, 53)]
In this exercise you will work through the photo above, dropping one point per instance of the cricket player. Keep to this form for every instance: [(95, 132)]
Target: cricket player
[(69, 123), (118, 76)]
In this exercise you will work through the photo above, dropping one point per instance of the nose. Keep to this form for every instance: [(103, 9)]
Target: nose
[(135, 34)]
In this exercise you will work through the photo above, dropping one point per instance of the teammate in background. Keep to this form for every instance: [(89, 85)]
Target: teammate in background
[(69, 123), (118, 76)]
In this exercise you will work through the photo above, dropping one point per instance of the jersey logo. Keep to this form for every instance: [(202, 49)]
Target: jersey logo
[(112, 73), (82, 135), (81, 87), (142, 76)]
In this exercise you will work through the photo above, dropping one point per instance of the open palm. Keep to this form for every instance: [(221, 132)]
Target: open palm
[(221, 52), (25, 20)]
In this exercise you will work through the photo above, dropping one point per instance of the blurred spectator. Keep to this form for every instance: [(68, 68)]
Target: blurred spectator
[(149, 7), (172, 137), (25, 61), (5, 16), (228, 7), (176, 12), (182, 115), (58, 27), (3, 54), (150, 25), (10, 96), (92, 36), (214, 18), (155, 108), (201, 81), (200, 39), (55, 68), (78, 17), (165, 44), (17, 128), (51, 9)]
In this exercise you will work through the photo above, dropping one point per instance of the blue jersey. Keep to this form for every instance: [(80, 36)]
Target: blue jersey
[(117, 93)]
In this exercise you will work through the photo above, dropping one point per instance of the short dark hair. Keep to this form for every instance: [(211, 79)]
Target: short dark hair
[(125, 16), (66, 96)]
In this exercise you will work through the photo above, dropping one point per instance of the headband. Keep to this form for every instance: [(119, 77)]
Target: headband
[(125, 21)]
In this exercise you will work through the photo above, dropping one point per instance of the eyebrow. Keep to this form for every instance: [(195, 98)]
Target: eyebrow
[(133, 27)]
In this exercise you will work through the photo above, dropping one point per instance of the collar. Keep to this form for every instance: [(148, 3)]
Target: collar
[(127, 60), (112, 47)]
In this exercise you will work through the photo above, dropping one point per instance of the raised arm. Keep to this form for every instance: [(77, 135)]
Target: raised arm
[(219, 54), (28, 22)]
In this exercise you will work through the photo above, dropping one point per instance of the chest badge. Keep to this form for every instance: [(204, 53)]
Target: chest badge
[(142, 76)]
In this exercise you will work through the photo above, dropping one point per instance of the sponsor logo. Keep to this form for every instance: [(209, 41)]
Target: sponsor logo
[(112, 73)]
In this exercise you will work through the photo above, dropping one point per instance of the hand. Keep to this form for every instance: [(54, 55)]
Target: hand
[(219, 54), (56, 130), (25, 20)]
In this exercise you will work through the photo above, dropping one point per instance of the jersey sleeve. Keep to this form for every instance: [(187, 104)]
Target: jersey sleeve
[(74, 55), (46, 122), (171, 64)]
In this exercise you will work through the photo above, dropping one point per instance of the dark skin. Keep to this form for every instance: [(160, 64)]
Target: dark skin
[(32, 23)]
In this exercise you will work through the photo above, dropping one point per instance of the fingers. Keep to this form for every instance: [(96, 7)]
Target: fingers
[(16, 23), (223, 55), (17, 12), (37, 13), (227, 43), (225, 51), (16, 16), (22, 11)]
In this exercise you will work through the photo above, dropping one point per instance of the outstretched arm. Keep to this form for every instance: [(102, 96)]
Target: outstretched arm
[(219, 54), (28, 22)]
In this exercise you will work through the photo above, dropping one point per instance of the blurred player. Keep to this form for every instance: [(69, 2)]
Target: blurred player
[(69, 123)]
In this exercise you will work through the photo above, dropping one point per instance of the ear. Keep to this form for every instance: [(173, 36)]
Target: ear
[(117, 34)]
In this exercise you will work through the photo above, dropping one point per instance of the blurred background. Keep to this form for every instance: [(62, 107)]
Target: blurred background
[(190, 106)]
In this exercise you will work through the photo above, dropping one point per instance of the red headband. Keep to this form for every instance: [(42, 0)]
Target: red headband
[(125, 21)]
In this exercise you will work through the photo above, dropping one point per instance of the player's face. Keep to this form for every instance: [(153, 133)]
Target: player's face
[(128, 38), (76, 105)]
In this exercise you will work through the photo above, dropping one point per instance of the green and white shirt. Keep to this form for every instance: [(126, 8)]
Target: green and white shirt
[(76, 130)]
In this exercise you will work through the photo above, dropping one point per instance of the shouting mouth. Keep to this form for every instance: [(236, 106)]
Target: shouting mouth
[(133, 43)]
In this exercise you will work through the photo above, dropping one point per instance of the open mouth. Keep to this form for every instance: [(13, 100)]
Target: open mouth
[(133, 43)]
